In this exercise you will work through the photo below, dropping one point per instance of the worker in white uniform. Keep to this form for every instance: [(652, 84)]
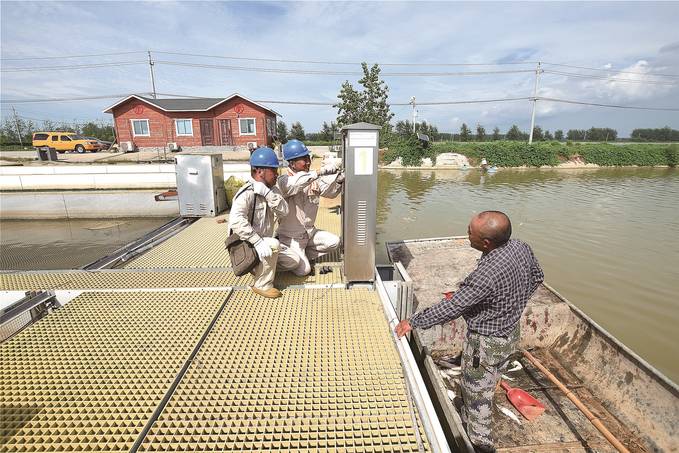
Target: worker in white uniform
[(260, 194), (300, 240)]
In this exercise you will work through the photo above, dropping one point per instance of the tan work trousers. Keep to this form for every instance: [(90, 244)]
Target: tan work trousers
[(265, 271), (296, 252)]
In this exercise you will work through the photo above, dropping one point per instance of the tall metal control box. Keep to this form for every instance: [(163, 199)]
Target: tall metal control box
[(200, 185), (360, 147)]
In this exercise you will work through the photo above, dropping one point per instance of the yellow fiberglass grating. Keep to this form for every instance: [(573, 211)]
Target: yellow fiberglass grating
[(201, 244), (314, 370), (120, 279), (90, 375)]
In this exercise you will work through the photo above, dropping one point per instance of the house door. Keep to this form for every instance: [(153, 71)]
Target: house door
[(225, 132), (206, 133)]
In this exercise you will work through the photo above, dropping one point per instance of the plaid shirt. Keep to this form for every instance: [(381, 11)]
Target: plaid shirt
[(491, 298)]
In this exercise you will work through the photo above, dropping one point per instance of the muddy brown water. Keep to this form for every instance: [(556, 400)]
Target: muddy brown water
[(66, 244), (607, 239)]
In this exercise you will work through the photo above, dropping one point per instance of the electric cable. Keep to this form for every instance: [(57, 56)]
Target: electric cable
[(343, 73), (70, 67), (73, 56), (607, 70), (613, 79), (632, 107)]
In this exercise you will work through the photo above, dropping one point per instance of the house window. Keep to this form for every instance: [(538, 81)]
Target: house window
[(183, 127), (247, 126), (140, 128)]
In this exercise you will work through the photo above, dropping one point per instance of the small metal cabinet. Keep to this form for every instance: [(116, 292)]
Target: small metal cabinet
[(200, 184)]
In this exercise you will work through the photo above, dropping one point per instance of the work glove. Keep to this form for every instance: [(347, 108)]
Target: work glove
[(263, 250), (340, 178), (260, 188), (328, 169)]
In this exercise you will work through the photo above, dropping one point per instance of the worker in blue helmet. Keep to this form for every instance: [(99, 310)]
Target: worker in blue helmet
[(301, 242), (255, 208)]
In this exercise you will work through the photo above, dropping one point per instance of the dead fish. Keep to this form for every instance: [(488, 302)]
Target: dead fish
[(453, 372), (451, 395), (509, 414), (516, 366)]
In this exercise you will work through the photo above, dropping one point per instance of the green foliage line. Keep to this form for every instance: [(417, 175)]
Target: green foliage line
[(517, 154)]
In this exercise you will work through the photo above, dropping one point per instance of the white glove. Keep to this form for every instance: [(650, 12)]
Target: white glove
[(260, 188), (263, 249), (328, 169)]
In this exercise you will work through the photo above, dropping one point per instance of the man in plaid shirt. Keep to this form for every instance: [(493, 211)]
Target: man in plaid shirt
[(491, 300)]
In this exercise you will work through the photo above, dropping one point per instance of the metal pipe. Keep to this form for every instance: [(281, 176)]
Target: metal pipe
[(575, 400)]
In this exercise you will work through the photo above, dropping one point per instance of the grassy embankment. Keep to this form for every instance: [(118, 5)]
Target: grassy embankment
[(517, 154)]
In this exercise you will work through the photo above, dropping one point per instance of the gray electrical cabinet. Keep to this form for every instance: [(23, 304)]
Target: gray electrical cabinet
[(360, 147), (200, 184)]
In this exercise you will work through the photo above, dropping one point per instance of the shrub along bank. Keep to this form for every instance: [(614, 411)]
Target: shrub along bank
[(517, 154)]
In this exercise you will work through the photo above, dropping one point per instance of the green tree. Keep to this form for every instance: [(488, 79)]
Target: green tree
[(480, 133), (514, 133), (465, 133), (576, 134), (297, 131), (328, 131), (538, 135), (282, 131), (403, 128), (496, 133), (558, 135), (428, 129), (548, 135), (369, 105)]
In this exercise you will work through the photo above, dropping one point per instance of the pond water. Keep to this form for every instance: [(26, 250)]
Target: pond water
[(607, 239), (66, 244)]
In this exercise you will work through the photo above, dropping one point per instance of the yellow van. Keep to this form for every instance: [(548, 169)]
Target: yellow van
[(65, 141)]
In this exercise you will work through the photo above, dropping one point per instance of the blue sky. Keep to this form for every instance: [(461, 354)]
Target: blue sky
[(623, 36)]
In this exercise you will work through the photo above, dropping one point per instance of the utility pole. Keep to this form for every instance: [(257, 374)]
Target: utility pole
[(16, 124), (153, 79), (412, 102), (535, 100)]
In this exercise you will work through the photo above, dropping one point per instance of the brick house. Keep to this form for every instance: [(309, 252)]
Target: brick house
[(230, 122)]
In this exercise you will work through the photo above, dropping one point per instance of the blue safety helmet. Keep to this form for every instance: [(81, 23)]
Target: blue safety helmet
[(294, 149), (264, 157)]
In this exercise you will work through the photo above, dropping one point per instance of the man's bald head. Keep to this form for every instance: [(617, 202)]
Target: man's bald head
[(489, 230)]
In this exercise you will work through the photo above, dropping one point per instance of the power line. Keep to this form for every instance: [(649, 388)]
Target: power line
[(344, 73), (84, 98), (275, 60), (73, 56), (608, 70), (71, 67), (566, 101), (612, 79)]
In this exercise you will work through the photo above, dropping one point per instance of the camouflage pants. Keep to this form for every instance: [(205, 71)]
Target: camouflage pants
[(478, 384)]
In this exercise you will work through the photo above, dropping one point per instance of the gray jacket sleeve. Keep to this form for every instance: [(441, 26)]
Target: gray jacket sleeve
[(292, 185), (239, 218), (329, 186), (277, 202)]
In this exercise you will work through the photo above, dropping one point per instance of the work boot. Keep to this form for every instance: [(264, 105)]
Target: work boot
[(271, 293)]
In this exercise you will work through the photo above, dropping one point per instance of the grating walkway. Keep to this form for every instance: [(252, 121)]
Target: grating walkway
[(90, 375), (317, 369), (120, 279)]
